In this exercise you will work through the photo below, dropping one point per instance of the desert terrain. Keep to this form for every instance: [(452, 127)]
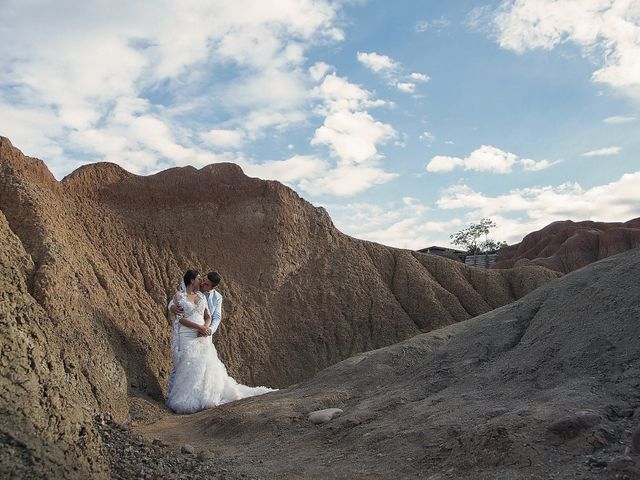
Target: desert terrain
[(440, 370), (565, 246)]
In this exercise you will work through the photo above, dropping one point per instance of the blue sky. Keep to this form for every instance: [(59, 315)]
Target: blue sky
[(406, 120)]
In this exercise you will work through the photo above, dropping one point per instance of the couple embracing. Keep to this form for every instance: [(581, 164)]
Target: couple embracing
[(199, 380)]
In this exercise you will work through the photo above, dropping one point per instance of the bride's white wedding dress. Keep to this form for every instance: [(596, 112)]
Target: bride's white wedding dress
[(201, 379)]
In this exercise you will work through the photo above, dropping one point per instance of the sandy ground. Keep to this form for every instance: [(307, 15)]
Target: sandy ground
[(546, 387)]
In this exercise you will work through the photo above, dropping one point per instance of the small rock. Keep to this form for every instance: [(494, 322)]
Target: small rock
[(188, 449), (594, 462), (157, 442), (573, 424), (324, 416), (603, 436), (204, 455)]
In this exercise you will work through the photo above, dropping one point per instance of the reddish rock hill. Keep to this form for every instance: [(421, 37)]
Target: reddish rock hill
[(87, 265), (565, 246)]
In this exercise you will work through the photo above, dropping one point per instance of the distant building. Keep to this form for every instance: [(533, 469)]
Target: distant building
[(445, 252), (484, 260)]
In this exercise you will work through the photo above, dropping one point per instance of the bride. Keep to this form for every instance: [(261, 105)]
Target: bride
[(201, 379)]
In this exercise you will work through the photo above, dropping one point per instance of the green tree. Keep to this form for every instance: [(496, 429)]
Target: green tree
[(475, 238)]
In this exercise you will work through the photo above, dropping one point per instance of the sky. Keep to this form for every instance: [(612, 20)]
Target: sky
[(405, 120)]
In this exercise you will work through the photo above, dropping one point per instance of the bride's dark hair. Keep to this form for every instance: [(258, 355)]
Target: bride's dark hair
[(189, 276)]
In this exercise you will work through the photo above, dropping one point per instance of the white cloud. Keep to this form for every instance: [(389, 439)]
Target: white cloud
[(350, 133), (538, 206), (620, 119), (419, 77), (19, 122), (441, 163), (346, 180), (414, 206), (404, 224), (490, 159), (603, 152), (281, 107), (360, 217), (401, 141), (137, 141), (77, 72), (411, 224), (319, 176), (223, 138), (406, 87), (438, 25), (484, 159), (608, 28), (422, 26), (412, 233), (391, 71), (353, 136), (378, 63), (427, 137), (286, 90), (294, 169), (536, 165), (259, 120), (318, 70), (480, 17), (337, 94)]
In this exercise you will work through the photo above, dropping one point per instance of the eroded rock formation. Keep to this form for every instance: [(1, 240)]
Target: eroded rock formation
[(546, 387), (88, 264), (565, 246)]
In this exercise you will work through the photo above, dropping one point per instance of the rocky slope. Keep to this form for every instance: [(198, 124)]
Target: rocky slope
[(543, 388), (565, 246), (88, 263)]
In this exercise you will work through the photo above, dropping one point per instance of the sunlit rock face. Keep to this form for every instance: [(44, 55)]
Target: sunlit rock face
[(565, 246), (89, 263)]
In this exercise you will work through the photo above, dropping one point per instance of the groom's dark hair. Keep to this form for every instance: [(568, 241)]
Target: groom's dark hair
[(189, 276), (214, 278)]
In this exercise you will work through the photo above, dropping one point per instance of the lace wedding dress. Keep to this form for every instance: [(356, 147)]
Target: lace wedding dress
[(201, 379)]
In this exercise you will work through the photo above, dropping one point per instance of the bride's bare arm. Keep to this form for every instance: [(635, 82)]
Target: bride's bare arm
[(195, 326), (205, 331)]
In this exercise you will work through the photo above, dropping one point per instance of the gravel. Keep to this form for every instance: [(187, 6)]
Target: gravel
[(132, 456)]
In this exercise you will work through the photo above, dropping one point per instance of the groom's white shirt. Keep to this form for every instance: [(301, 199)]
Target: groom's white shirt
[(214, 303)]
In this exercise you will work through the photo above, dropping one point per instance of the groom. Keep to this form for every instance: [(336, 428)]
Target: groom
[(214, 305), (214, 298)]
